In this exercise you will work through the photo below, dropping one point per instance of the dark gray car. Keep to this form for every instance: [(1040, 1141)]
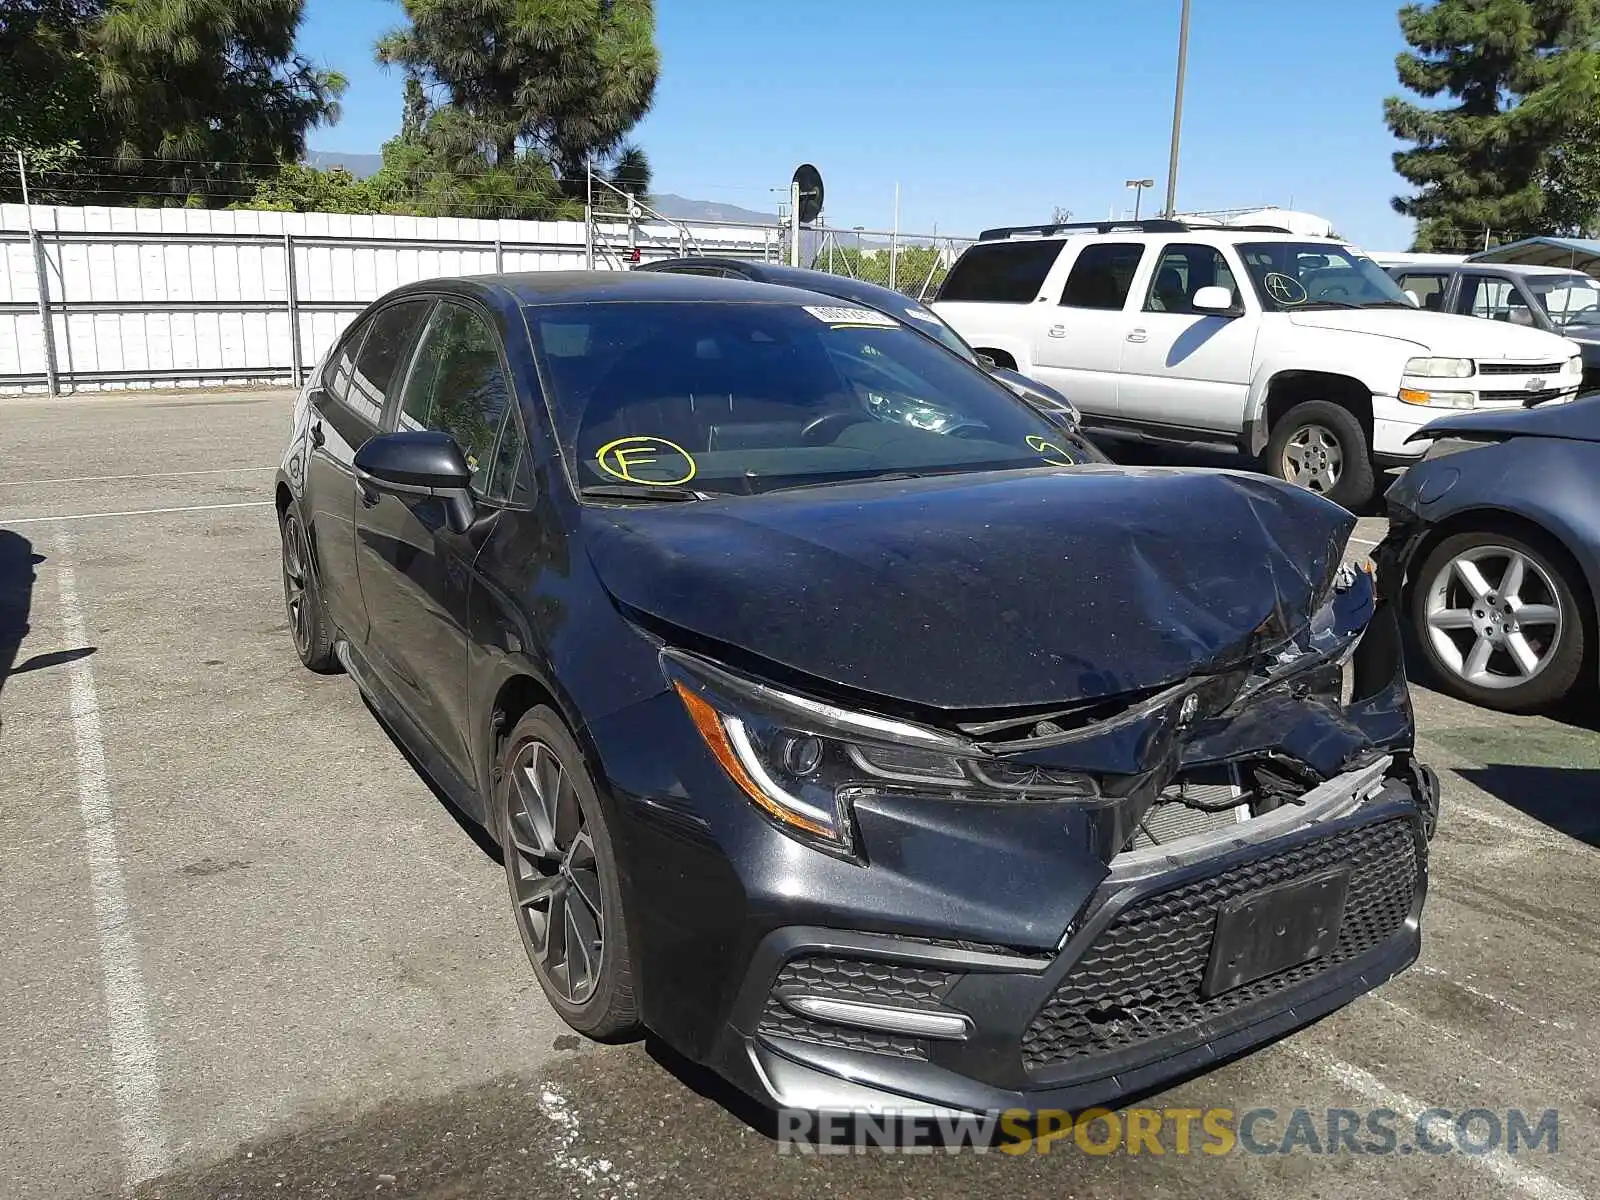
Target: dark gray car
[(1496, 536), (1555, 299)]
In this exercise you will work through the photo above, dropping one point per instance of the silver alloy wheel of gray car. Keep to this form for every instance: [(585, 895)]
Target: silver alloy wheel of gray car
[(1493, 616), (1313, 458), (555, 880)]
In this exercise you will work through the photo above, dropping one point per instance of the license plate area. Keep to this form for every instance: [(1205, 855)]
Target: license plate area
[(1274, 929)]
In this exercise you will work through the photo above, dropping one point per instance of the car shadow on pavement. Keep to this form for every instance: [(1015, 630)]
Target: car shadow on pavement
[(1567, 799), (17, 563)]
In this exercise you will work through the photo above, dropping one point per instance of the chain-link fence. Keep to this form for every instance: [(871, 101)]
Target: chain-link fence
[(915, 264)]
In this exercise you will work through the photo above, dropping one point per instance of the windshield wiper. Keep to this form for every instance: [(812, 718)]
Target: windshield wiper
[(1325, 303), (838, 481), (640, 491)]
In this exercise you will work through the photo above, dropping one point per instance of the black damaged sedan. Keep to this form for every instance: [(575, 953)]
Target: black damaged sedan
[(843, 721)]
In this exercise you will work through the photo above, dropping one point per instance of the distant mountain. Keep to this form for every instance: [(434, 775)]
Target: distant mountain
[(359, 165), (681, 208), (677, 208)]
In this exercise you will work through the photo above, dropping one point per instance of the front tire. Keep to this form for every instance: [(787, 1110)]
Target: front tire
[(561, 871), (1498, 620), (1322, 447), (302, 599)]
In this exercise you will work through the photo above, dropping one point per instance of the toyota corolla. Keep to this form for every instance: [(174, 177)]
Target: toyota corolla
[(841, 719)]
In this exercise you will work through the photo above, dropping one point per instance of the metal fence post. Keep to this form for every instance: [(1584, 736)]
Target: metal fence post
[(499, 257), (46, 323), (296, 358)]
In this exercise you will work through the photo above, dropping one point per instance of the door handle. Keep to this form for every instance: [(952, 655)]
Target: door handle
[(1138, 335), (1058, 331), (316, 434)]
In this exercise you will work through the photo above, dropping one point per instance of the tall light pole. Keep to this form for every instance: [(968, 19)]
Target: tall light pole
[(1138, 186), (1177, 113)]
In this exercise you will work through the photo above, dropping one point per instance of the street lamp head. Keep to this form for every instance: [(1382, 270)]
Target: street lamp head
[(1141, 183)]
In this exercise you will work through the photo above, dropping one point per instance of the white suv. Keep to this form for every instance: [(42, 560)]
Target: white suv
[(1318, 361)]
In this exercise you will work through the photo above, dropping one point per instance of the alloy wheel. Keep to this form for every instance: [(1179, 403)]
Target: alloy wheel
[(296, 595), (555, 880), (1494, 616), (1313, 458)]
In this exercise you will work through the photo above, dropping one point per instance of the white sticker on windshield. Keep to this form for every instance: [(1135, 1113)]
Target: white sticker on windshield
[(831, 315)]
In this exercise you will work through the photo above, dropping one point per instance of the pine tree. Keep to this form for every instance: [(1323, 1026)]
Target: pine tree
[(563, 80), (206, 95), (1522, 75)]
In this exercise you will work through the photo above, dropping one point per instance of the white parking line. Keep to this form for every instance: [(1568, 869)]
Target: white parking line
[(1490, 998), (1495, 1162), (135, 1083), (6, 522), (151, 475)]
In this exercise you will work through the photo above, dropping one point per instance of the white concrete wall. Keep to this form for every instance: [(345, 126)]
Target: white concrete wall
[(241, 258)]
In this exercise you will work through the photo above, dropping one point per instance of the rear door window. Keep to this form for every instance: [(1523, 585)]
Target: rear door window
[(383, 357), (1102, 275), (1000, 272)]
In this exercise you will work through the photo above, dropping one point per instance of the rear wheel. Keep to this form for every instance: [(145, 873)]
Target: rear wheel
[(1321, 446), (562, 875), (302, 599), (1498, 620)]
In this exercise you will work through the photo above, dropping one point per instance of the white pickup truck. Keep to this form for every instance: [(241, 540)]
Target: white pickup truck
[(1301, 351)]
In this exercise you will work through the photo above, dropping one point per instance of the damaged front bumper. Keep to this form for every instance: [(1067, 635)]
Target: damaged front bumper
[(1045, 948), (829, 1020)]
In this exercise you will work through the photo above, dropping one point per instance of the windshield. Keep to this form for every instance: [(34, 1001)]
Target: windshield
[(739, 398), (1299, 275), (1569, 299), (928, 322)]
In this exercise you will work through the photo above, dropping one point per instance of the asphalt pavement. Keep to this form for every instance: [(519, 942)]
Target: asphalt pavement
[(250, 953)]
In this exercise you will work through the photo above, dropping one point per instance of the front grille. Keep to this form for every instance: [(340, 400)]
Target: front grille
[(1521, 397), (855, 979), (1509, 368), (1139, 981)]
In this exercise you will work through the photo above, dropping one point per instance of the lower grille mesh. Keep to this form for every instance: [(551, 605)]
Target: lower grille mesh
[(1139, 981), (854, 979)]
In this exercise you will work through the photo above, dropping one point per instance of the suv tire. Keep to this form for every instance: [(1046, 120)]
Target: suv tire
[(1321, 446)]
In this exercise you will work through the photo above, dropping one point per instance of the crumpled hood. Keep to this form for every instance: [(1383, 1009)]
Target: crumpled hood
[(983, 591), (1445, 335)]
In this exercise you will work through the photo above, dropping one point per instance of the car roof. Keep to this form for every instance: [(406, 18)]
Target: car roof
[(829, 284), (1518, 269), (599, 287), (1198, 233)]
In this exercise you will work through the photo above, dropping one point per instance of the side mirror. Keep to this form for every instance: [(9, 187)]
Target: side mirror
[(987, 361), (1217, 301), (1416, 300), (422, 462)]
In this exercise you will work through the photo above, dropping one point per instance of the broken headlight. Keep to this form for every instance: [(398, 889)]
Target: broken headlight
[(804, 762), (1329, 640)]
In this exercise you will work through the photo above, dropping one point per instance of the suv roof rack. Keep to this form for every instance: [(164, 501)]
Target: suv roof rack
[(1151, 226), (1156, 225)]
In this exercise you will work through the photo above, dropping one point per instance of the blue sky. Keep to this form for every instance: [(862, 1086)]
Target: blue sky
[(985, 114)]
